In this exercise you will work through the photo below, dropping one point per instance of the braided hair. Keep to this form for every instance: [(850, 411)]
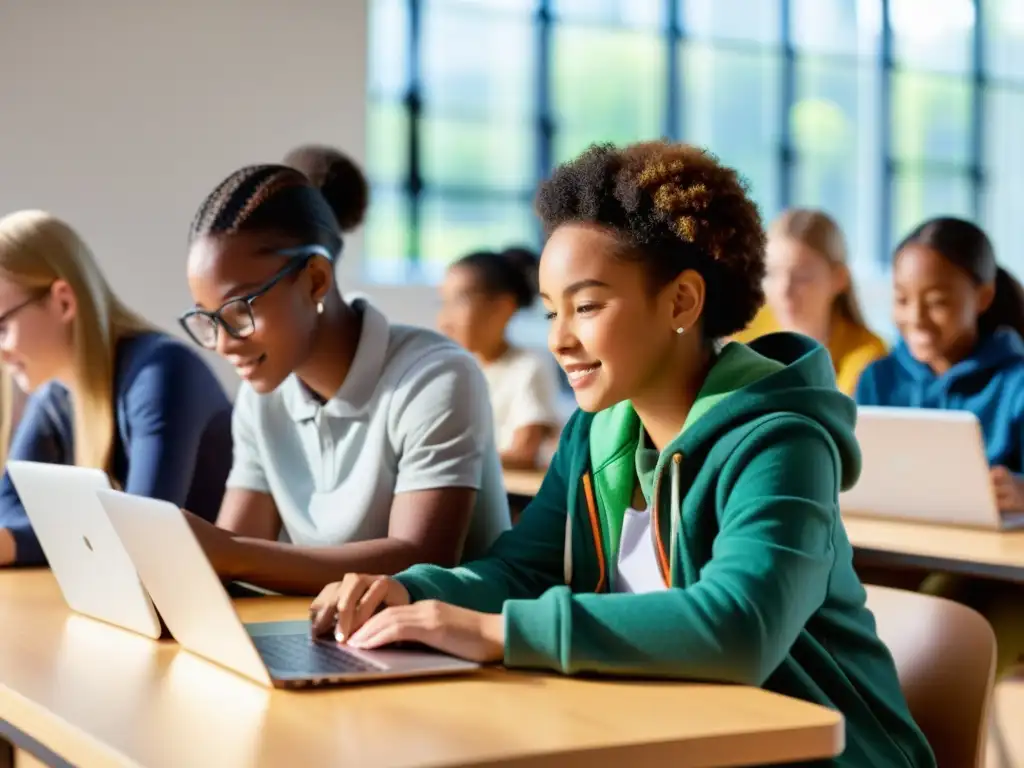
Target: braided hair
[(284, 200)]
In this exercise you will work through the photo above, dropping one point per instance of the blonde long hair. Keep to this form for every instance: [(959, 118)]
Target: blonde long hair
[(820, 232), (36, 250), (7, 396)]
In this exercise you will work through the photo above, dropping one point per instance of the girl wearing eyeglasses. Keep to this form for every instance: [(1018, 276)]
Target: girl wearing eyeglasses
[(109, 391), (688, 526), (358, 444)]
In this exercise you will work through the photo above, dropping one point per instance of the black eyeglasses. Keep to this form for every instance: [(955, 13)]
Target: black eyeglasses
[(5, 316), (236, 316)]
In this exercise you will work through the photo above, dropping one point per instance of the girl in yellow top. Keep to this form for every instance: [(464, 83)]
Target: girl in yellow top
[(809, 290)]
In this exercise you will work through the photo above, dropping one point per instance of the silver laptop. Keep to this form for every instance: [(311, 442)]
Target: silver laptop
[(92, 568), (200, 615), (926, 466)]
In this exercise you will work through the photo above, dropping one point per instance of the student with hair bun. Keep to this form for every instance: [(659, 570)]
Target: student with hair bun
[(688, 526), (338, 178), (480, 294), (358, 444)]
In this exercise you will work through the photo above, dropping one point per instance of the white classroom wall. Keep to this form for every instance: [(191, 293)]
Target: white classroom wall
[(120, 116)]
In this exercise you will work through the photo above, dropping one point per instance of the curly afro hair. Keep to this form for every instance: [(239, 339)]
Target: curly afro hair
[(674, 207)]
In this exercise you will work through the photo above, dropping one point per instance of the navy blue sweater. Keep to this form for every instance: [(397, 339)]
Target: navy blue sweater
[(172, 441)]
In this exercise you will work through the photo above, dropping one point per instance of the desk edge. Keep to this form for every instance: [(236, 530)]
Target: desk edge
[(92, 750)]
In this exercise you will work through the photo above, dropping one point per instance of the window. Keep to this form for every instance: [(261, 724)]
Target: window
[(1004, 173), (881, 119), (837, 144), (729, 102), (616, 96), (1002, 107)]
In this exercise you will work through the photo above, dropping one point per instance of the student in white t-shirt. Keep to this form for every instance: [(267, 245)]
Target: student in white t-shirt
[(480, 294), (357, 444)]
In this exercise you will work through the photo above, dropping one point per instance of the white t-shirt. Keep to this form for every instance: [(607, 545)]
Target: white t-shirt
[(523, 389), (637, 569), (412, 415)]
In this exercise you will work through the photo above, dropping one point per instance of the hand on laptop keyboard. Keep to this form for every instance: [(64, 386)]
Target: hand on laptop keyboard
[(346, 605)]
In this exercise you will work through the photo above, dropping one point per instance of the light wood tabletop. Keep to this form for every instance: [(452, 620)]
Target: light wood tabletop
[(523, 482), (96, 695), (896, 543)]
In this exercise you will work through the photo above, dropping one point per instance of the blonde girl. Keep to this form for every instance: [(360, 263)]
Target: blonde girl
[(107, 390)]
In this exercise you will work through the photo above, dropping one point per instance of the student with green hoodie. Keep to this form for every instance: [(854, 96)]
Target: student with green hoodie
[(688, 526)]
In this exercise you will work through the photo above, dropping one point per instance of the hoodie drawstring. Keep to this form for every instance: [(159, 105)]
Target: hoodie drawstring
[(567, 549), (674, 517), (667, 560), (675, 513)]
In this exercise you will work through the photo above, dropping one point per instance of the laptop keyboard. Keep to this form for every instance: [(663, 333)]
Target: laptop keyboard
[(311, 656)]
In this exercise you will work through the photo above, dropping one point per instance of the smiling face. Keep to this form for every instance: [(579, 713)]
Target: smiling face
[(936, 306), (612, 335), (222, 268), (801, 285)]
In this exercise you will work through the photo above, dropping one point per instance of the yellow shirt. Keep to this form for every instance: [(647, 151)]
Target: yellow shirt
[(852, 347)]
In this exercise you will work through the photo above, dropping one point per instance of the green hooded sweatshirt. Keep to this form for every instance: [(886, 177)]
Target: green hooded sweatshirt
[(762, 589)]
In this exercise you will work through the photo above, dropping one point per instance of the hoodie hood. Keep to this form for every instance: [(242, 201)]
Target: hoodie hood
[(779, 372), (991, 353), (803, 382)]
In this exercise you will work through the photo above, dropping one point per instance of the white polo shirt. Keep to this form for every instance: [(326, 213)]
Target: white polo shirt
[(413, 414)]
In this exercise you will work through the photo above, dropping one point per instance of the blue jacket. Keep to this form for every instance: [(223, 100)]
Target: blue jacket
[(989, 383), (172, 442)]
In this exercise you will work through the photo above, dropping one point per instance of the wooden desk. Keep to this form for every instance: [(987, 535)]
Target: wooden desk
[(892, 543), (523, 483), (99, 696)]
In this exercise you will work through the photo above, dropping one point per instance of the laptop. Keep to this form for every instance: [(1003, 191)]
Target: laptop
[(926, 466), (88, 561), (201, 617)]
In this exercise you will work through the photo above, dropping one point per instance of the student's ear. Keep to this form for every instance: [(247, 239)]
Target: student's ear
[(64, 300), (321, 278), (986, 294), (687, 294)]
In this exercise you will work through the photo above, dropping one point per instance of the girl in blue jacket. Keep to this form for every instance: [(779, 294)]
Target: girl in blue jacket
[(961, 317)]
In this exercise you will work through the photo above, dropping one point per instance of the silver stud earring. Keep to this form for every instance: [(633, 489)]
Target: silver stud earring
[(680, 331), (319, 307)]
